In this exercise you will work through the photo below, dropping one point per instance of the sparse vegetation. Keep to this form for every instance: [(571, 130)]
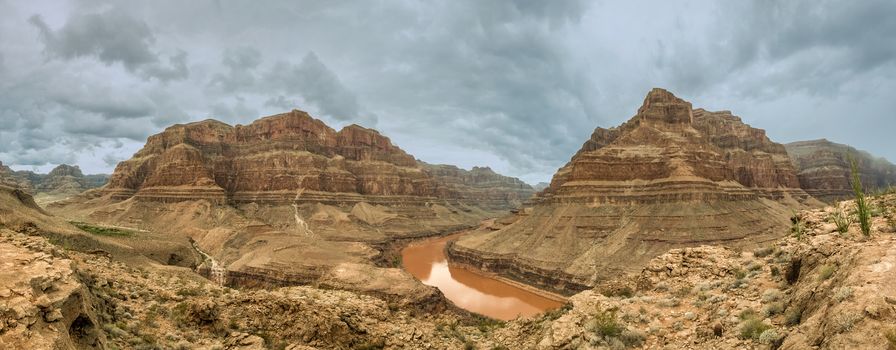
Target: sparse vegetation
[(605, 325), (841, 220), (773, 309), (891, 339), (826, 272), (771, 337), (797, 226), (862, 210), (102, 231), (763, 252), (752, 327), (793, 316), (842, 294)]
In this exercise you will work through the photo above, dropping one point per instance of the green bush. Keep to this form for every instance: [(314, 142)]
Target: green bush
[(862, 209), (797, 226), (605, 325), (826, 272), (841, 220), (752, 327)]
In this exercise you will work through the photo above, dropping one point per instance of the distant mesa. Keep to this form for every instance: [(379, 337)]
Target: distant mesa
[(672, 176), (824, 169), (273, 157), (63, 181)]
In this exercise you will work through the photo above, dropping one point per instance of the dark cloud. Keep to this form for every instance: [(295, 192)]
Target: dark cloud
[(112, 37), (240, 64), (318, 85), (517, 85)]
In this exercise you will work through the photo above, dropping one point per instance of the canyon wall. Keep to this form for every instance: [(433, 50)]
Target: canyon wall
[(824, 169), (672, 176)]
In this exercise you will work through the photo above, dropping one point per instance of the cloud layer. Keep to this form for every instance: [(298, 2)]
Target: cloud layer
[(517, 85)]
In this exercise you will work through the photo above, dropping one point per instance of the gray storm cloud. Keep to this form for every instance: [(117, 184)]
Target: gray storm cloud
[(517, 85)]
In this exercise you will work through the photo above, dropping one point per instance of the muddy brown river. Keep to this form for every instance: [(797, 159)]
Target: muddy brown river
[(469, 290)]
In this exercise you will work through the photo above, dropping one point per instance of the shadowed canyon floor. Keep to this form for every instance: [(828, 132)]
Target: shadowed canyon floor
[(468, 289)]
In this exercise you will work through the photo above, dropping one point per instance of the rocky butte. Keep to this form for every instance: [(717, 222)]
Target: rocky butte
[(288, 200), (670, 177), (824, 169), (63, 181)]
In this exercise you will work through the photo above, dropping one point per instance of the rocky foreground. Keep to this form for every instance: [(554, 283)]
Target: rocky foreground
[(816, 288)]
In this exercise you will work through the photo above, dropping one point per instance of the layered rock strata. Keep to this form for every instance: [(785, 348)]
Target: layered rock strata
[(670, 177), (287, 200), (825, 170), (64, 180), (289, 158)]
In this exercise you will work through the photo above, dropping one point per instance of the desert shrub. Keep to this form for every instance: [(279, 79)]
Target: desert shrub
[(891, 339), (845, 321), (605, 325), (752, 328), (739, 274), (793, 316), (770, 337), (556, 313), (771, 295), (862, 209), (189, 291), (826, 272), (797, 226), (632, 338), (754, 266), (763, 252), (775, 271), (773, 309), (842, 294), (841, 220)]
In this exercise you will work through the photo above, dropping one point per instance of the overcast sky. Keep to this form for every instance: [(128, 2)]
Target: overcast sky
[(515, 85)]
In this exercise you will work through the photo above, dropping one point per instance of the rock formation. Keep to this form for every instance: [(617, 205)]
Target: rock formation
[(824, 290), (287, 200), (481, 186), (288, 158), (63, 181), (824, 169), (670, 177)]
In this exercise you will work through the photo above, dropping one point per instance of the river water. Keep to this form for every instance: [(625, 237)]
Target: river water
[(471, 291)]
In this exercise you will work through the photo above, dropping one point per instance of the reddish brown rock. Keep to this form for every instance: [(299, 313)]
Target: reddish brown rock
[(824, 169), (285, 158), (670, 177)]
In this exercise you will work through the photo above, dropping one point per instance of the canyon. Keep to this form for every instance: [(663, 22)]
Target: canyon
[(287, 200), (680, 228), (61, 182), (670, 177)]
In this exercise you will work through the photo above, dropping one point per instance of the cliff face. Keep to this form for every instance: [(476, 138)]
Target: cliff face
[(672, 176), (824, 169), (64, 180), (479, 185), (286, 158), (286, 200)]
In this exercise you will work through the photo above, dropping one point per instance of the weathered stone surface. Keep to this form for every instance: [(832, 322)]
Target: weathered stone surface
[(672, 176), (61, 182), (292, 157), (824, 169), (286, 200)]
